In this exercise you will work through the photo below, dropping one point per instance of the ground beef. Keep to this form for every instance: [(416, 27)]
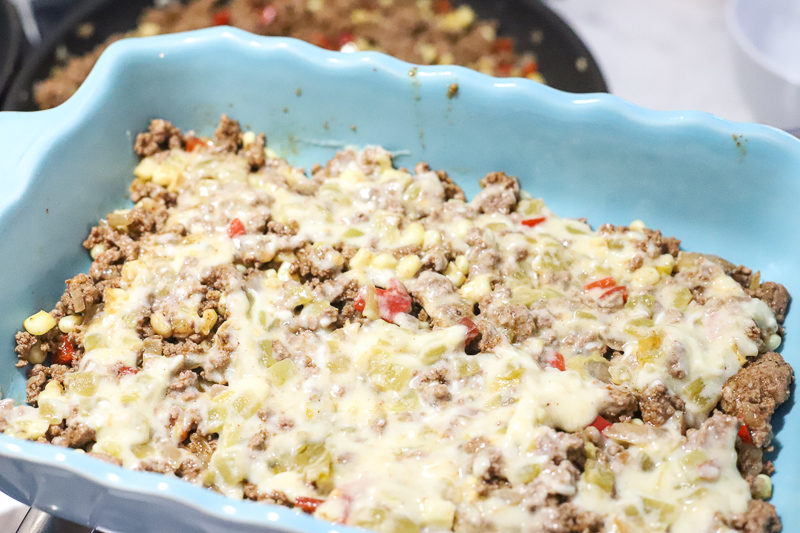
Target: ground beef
[(499, 194), (561, 446), (112, 240), (228, 135), (25, 341), (255, 154), (183, 348), (564, 518), (621, 406), (775, 296), (515, 321), (749, 460), (753, 394), (76, 435), (760, 517), (439, 298), (658, 405), (39, 376), (288, 230), (451, 190), (436, 258), (320, 262), (184, 380), (433, 385), (160, 136), (144, 220), (665, 245), (81, 293), (147, 189), (251, 492)]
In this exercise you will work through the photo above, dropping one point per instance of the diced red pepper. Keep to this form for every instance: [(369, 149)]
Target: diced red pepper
[(345, 38), (503, 44), (622, 288), (268, 16), (222, 17), (600, 423), (600, 284), (391, 301), (531, 222), (558, 362), (440, 7), (744, 434), (193, 143), (65, 352), (321, 40), (472, 329), (504, 69), (529, 67), (236, 228), (308, 505), (127, 371)]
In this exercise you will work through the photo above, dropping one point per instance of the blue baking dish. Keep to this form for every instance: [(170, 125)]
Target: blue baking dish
[(724, 188)]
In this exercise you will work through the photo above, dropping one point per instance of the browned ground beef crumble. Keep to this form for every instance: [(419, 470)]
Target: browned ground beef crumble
[(439, 33), (751, 395)]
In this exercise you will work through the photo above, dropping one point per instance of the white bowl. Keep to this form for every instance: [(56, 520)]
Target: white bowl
[(767, 38)]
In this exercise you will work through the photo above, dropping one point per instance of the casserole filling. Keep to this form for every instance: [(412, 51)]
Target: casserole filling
[(422, 32), (366, 345)]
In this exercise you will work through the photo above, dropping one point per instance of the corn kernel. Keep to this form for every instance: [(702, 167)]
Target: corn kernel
[(68, 323), (148, 29), (773, 342), (762, 487), (414, 234), (431, 238), (285, 272), (665, 264), (408, 266), (457, 20), (209, 320), (462, 263), (362, 259), (96, 250), (646, 275), (455, 275), (637, 225), (248, 138), (165, 175), (462, 227), (428, 52), (352, 176), (488, 32), (115, 295), (384, 261), (36, 356), (39, 324), (160, 325), (476, 288), (145, 169), (446, 59)]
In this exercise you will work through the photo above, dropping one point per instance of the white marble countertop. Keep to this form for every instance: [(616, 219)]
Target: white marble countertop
[(660, 54)]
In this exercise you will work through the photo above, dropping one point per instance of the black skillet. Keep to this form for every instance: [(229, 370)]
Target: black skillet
[(10, 43), (563, 59)]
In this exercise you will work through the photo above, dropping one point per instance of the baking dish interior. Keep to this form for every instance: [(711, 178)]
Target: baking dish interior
[(723, 188)]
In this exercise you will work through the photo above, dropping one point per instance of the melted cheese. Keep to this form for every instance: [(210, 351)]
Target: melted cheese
[(346, 418)]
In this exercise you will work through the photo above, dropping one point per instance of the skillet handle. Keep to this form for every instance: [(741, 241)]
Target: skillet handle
[(40, 522)]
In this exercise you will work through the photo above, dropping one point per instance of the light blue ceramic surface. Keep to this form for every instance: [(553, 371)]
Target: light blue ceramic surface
[(724, 188)]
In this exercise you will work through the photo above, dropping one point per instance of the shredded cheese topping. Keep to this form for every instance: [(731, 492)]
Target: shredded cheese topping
[(457, 411)]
